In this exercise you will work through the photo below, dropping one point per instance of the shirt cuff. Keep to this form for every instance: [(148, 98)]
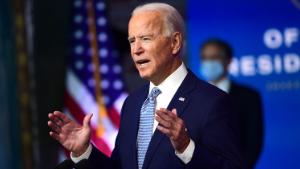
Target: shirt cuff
[(187, 154), (83, 156)]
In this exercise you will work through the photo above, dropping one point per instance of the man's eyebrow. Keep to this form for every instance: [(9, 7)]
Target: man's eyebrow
[(130, 38), (141, 36), (146, 35)]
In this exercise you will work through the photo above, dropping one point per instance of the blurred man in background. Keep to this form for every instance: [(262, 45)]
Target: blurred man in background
[(215, 56)]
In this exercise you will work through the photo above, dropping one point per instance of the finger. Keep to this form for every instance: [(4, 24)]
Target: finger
[(165, 114), (165, 123), (87, 120), (174, 111), (171, 113), (54, 127), (177, 120), (54, 135), (179, 124), (55, 119), (176, 124), (62, 116), (164, 130)]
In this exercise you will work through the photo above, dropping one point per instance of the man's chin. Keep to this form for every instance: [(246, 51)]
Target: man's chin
[(144, 75)]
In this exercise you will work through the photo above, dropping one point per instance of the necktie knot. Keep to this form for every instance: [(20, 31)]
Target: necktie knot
[(154, 93)]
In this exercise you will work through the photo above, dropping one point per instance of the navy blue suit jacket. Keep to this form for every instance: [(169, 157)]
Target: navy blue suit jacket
[(210, 121), (248, 105)]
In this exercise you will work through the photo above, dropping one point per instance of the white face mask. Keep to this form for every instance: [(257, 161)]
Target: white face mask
[(211, 70)]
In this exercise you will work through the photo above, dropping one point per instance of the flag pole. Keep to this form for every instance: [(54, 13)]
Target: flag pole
[(102, 112)]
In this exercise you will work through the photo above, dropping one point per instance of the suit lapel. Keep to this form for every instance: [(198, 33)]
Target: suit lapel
[(179, 101)]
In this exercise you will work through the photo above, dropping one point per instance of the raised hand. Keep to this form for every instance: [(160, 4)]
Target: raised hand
[(173, 126), (71, 135)]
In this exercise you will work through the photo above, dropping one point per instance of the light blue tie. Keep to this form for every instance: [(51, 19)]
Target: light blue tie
[(146, 125)]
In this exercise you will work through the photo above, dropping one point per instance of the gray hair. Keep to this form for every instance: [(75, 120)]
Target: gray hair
[(172, 19)]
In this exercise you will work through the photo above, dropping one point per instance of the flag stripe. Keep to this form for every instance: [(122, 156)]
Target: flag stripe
[(114, 116)]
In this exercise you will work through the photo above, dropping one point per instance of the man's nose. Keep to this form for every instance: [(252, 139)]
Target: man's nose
[(137, 48)]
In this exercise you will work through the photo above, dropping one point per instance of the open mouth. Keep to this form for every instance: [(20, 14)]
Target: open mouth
[(142, 62)]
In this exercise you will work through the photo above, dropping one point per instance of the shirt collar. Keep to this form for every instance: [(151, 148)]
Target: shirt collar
[(224, 84), (172, 82)]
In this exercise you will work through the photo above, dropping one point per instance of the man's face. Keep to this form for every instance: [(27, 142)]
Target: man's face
[(214, 63), (151, 51)]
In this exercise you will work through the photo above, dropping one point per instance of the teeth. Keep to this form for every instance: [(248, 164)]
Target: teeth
[(142, 65)]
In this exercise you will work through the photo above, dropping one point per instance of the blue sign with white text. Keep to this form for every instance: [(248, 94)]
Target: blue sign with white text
[(265, 36)]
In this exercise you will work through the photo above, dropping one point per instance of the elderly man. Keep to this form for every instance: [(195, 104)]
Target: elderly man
[(176, 121)]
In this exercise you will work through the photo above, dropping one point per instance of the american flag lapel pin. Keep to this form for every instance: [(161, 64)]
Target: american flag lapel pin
[(181, 99)]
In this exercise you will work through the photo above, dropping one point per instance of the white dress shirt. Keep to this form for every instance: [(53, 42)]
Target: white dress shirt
[(223, 84), (168, 89)]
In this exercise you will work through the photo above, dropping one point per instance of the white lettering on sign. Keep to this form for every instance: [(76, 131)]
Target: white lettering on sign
[(291, 63), (264, 64), (250, 65), (274, 38)]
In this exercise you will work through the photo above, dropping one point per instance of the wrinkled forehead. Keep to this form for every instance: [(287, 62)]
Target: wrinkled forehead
[(145, 22)]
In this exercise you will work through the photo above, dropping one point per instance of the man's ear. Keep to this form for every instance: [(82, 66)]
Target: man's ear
[(176, 42)]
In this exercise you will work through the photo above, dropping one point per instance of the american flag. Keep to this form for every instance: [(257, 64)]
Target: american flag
[(93, 78)]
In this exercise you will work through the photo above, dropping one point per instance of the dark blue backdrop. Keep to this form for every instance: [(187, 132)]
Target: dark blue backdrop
[(265, 35)]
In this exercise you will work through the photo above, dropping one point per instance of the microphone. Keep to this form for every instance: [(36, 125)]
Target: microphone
[(67, 164), (83, 164)]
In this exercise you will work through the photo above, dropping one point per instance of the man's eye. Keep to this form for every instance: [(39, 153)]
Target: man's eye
[(146, 38)]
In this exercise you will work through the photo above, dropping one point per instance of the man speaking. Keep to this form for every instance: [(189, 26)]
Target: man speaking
[(174, 122)]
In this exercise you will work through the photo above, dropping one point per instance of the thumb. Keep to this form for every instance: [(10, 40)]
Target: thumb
[(87, 120), (174, 111)]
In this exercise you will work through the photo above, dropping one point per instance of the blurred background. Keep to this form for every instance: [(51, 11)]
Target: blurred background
[(74, 56)]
